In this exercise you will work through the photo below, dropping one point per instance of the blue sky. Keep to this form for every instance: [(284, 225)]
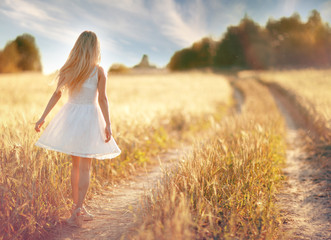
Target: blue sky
[(127, 29)]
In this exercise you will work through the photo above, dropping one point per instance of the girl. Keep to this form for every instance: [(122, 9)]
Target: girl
[(82, 127)]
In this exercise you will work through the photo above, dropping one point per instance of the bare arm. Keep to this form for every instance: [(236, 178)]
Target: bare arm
[(103, 102), (51, 103)]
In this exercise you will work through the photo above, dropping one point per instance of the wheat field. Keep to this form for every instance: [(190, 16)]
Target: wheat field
[(226, 188), (310, 91), (149, 114)]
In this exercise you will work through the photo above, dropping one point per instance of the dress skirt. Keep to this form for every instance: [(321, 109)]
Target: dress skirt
[(79, 130)]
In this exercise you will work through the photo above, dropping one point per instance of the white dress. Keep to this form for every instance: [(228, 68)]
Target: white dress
[(79, 127)]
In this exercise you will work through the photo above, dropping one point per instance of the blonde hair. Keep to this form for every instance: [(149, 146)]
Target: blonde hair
[(84, 56)]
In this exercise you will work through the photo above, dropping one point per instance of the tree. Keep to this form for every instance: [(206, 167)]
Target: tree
[(9, 59), (287, 42), (299, 44), (230, 51), (118, 68), (21, 54), (246, 45), (200, 54)]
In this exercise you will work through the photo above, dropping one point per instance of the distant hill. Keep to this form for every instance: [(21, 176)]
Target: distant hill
[(143, 67), (144, 63)]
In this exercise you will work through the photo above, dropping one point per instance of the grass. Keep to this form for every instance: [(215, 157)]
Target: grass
[(149, 114), (224, 189), (310, 90)]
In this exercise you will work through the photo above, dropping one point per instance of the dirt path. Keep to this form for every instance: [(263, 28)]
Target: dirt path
[(305, 199), (115, 209)]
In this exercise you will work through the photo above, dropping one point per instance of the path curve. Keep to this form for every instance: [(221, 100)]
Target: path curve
[(305, 199)]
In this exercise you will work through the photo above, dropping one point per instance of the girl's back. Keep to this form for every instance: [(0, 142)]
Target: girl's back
[(88, 92)]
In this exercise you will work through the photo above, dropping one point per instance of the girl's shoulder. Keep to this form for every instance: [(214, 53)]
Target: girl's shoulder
[(101, 72)]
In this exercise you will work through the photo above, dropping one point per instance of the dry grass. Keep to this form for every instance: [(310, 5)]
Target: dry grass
[(310, 91), (148, 113), (225, 188)]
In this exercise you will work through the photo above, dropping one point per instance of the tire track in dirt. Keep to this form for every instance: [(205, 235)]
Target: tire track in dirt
[(304, 200)]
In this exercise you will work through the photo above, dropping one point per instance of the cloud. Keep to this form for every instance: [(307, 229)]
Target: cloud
[(289, 6), (39, 18), (24, 10), (144, 21), (326, 11), (135, 7), (181, 24), (60, 21), (232, 14), (219, 14)]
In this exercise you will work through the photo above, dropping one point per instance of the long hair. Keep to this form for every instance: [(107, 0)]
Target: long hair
[(83, 57)]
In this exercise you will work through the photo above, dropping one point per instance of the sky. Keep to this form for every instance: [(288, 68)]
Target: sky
[(127, 29)]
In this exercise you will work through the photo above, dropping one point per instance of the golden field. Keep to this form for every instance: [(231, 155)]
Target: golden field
[(225, 189), (149, 113), (310, 90)]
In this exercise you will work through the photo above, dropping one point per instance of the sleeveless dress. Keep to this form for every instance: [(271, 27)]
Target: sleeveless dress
[(79, 127)]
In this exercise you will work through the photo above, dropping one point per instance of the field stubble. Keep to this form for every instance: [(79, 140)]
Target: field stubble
[(149, 114), (224, 189)]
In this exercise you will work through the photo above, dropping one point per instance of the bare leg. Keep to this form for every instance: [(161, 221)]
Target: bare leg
[(75, 178), (84, 179), (75, 220)]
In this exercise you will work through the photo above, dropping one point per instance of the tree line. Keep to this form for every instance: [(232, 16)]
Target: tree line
[(284, 43), (19, 55)]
